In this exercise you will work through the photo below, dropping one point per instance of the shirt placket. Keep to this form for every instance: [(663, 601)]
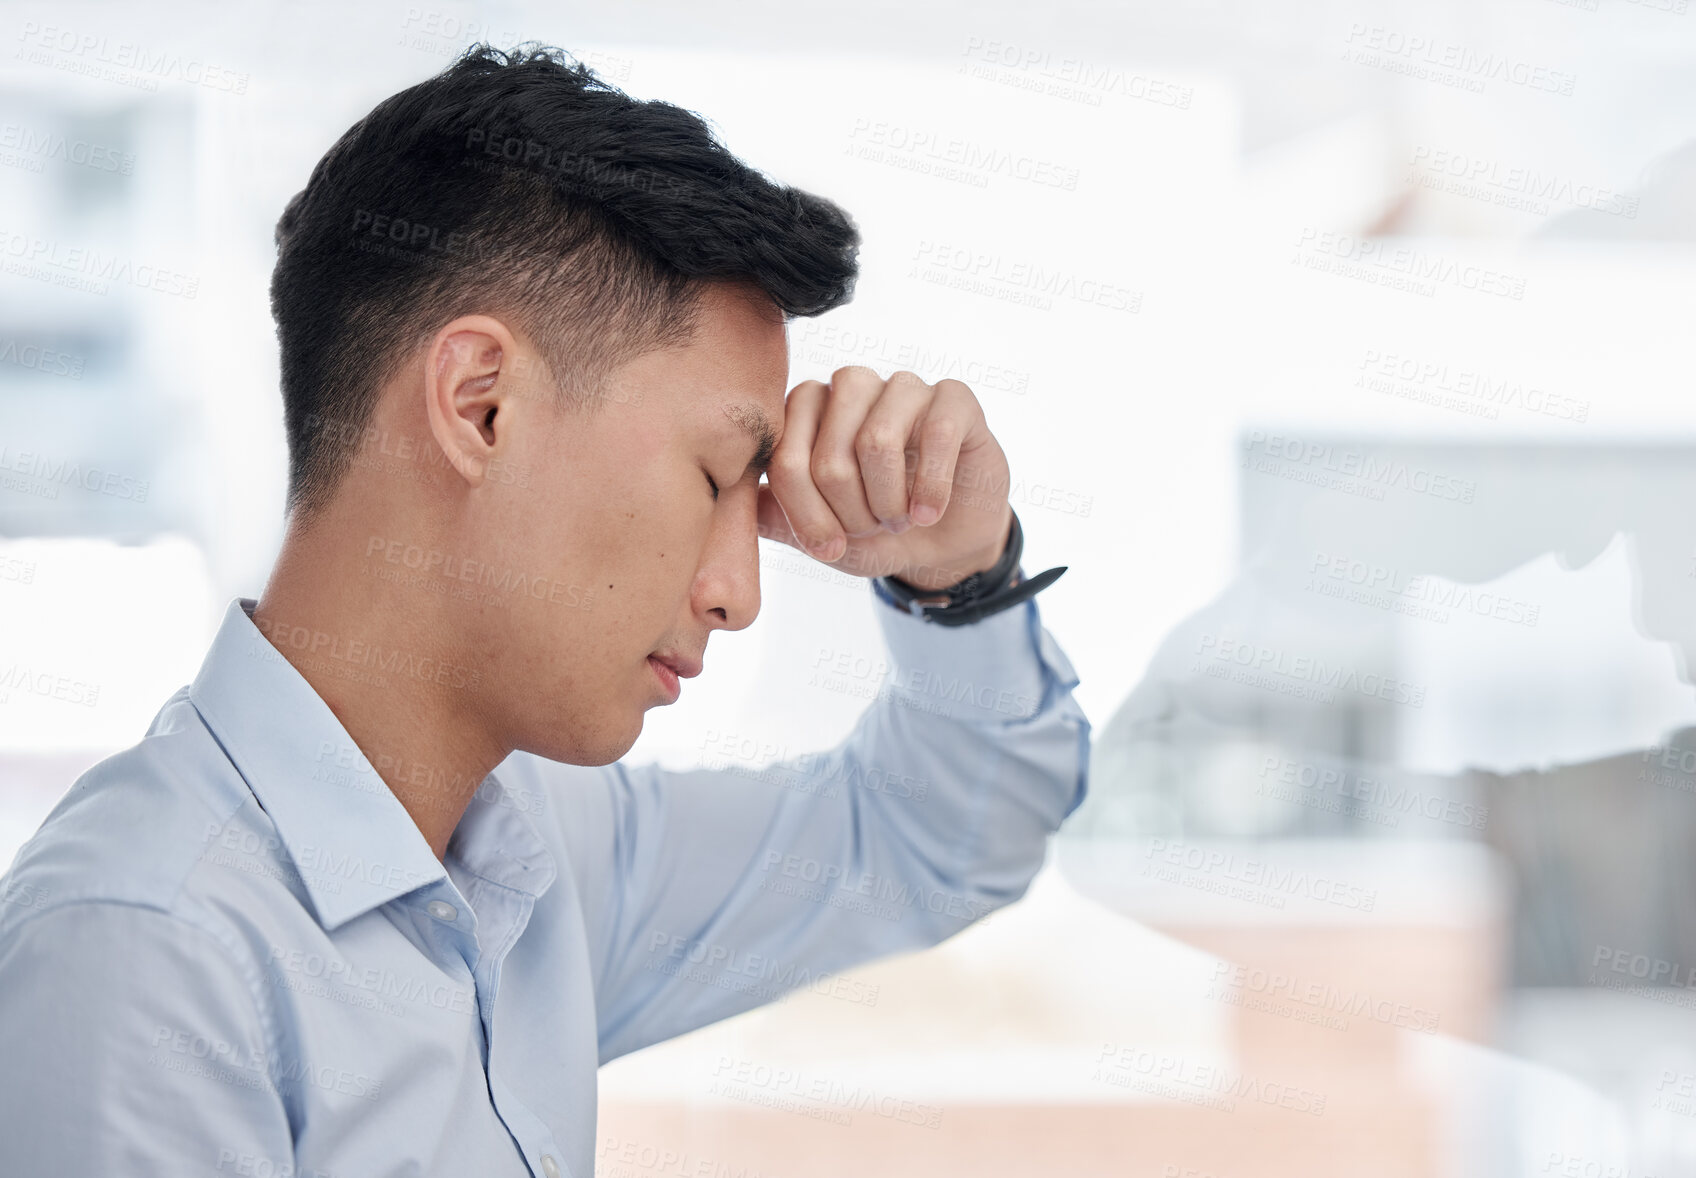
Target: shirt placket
[(498, 915)]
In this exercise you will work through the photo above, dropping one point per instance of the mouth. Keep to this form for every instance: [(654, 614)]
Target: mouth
[(667, 677)]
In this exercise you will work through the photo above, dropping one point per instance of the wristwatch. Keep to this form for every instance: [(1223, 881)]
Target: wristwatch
[(977, 596)]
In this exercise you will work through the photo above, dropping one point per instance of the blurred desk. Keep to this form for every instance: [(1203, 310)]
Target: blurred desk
[(1059, 1037)]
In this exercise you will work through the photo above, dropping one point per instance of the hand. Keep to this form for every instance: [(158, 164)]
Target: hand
[(888, 478)]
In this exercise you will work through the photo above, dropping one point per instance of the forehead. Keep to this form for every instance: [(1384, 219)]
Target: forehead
[(741, 355)]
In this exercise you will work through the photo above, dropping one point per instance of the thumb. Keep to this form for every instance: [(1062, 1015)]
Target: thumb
[(770, 520)]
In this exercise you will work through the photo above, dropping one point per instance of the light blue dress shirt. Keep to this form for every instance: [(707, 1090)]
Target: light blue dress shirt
[(229, 950)]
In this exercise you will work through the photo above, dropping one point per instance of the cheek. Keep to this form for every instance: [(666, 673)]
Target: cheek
[(640, 529), (665, 523)]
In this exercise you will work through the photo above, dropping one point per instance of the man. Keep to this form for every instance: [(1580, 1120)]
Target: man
[(374, 895)]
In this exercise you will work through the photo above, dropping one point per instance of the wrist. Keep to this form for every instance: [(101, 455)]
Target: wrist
[(937, 580), (978, 595)]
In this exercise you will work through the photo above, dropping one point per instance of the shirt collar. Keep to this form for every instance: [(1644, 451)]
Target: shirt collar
[(352, 842)]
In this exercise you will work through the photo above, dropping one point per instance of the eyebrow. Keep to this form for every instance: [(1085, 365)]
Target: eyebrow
[(754, 421)]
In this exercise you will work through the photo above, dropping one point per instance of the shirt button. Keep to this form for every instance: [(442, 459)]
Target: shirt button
[(549, 1166), (442, 910)]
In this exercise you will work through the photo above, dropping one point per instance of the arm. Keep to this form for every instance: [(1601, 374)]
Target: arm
[(131, 1043), (712, 891)]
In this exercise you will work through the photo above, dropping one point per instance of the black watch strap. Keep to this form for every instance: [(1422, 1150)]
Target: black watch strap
[(977, 596)]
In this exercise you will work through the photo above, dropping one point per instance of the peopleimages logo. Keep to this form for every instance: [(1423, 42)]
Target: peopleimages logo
[(47, 361), (143, 66), (924, 149), (1514, 186), (87, 268), (1414, 378), (1449, 63), (1375, 259), (1654, 971), (1370, 583), (821, 882), (37, 146), (1256, 873), (19, 677), (1239, 980), (1255, 659), (50, 473), (1378, 799), (506, 581), (358, 653), (815, 1095), (1130, 1066), (1072, 78), (1266, 451), (780, 977), (249, 1066)]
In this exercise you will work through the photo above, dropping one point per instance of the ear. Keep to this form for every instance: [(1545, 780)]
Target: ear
[(467, 374)]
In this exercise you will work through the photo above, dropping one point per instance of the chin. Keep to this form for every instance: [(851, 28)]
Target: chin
[(601, 746)]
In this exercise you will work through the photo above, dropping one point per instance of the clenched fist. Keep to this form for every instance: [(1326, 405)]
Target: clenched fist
[(892, 477)]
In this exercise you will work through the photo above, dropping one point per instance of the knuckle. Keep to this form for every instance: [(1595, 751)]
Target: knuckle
[(832, 471), (885, 483), (905, 377), (934, 475), (878, 442), (854, 372), (940, 432), (956, 388), (788, 469)]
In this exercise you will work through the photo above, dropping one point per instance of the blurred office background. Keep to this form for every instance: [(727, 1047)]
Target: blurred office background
[(1342, 350)]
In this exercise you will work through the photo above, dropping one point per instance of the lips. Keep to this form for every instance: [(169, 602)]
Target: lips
[(669, 667), (666, 675), (681, 667)]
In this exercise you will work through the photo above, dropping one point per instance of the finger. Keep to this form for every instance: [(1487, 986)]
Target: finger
[(809, 517), (882, 445), (836, 463), (770, 521), (948, 426)]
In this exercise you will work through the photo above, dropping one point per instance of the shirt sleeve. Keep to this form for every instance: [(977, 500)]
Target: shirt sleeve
[(131, 1043), (711, 891)]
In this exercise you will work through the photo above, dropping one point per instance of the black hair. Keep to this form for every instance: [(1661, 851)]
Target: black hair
[(521, 184)]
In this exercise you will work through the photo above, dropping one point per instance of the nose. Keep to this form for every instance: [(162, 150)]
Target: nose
[(727, 584)]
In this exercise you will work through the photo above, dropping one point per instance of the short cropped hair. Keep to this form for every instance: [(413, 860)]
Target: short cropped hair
[(520, 184)]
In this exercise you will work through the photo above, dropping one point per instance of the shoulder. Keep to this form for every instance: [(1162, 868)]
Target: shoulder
[(166, 829)]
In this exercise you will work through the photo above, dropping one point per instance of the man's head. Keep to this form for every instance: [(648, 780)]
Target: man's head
[(526, 323)]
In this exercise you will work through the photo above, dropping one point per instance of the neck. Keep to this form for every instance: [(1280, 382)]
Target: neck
[(390, 661)]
